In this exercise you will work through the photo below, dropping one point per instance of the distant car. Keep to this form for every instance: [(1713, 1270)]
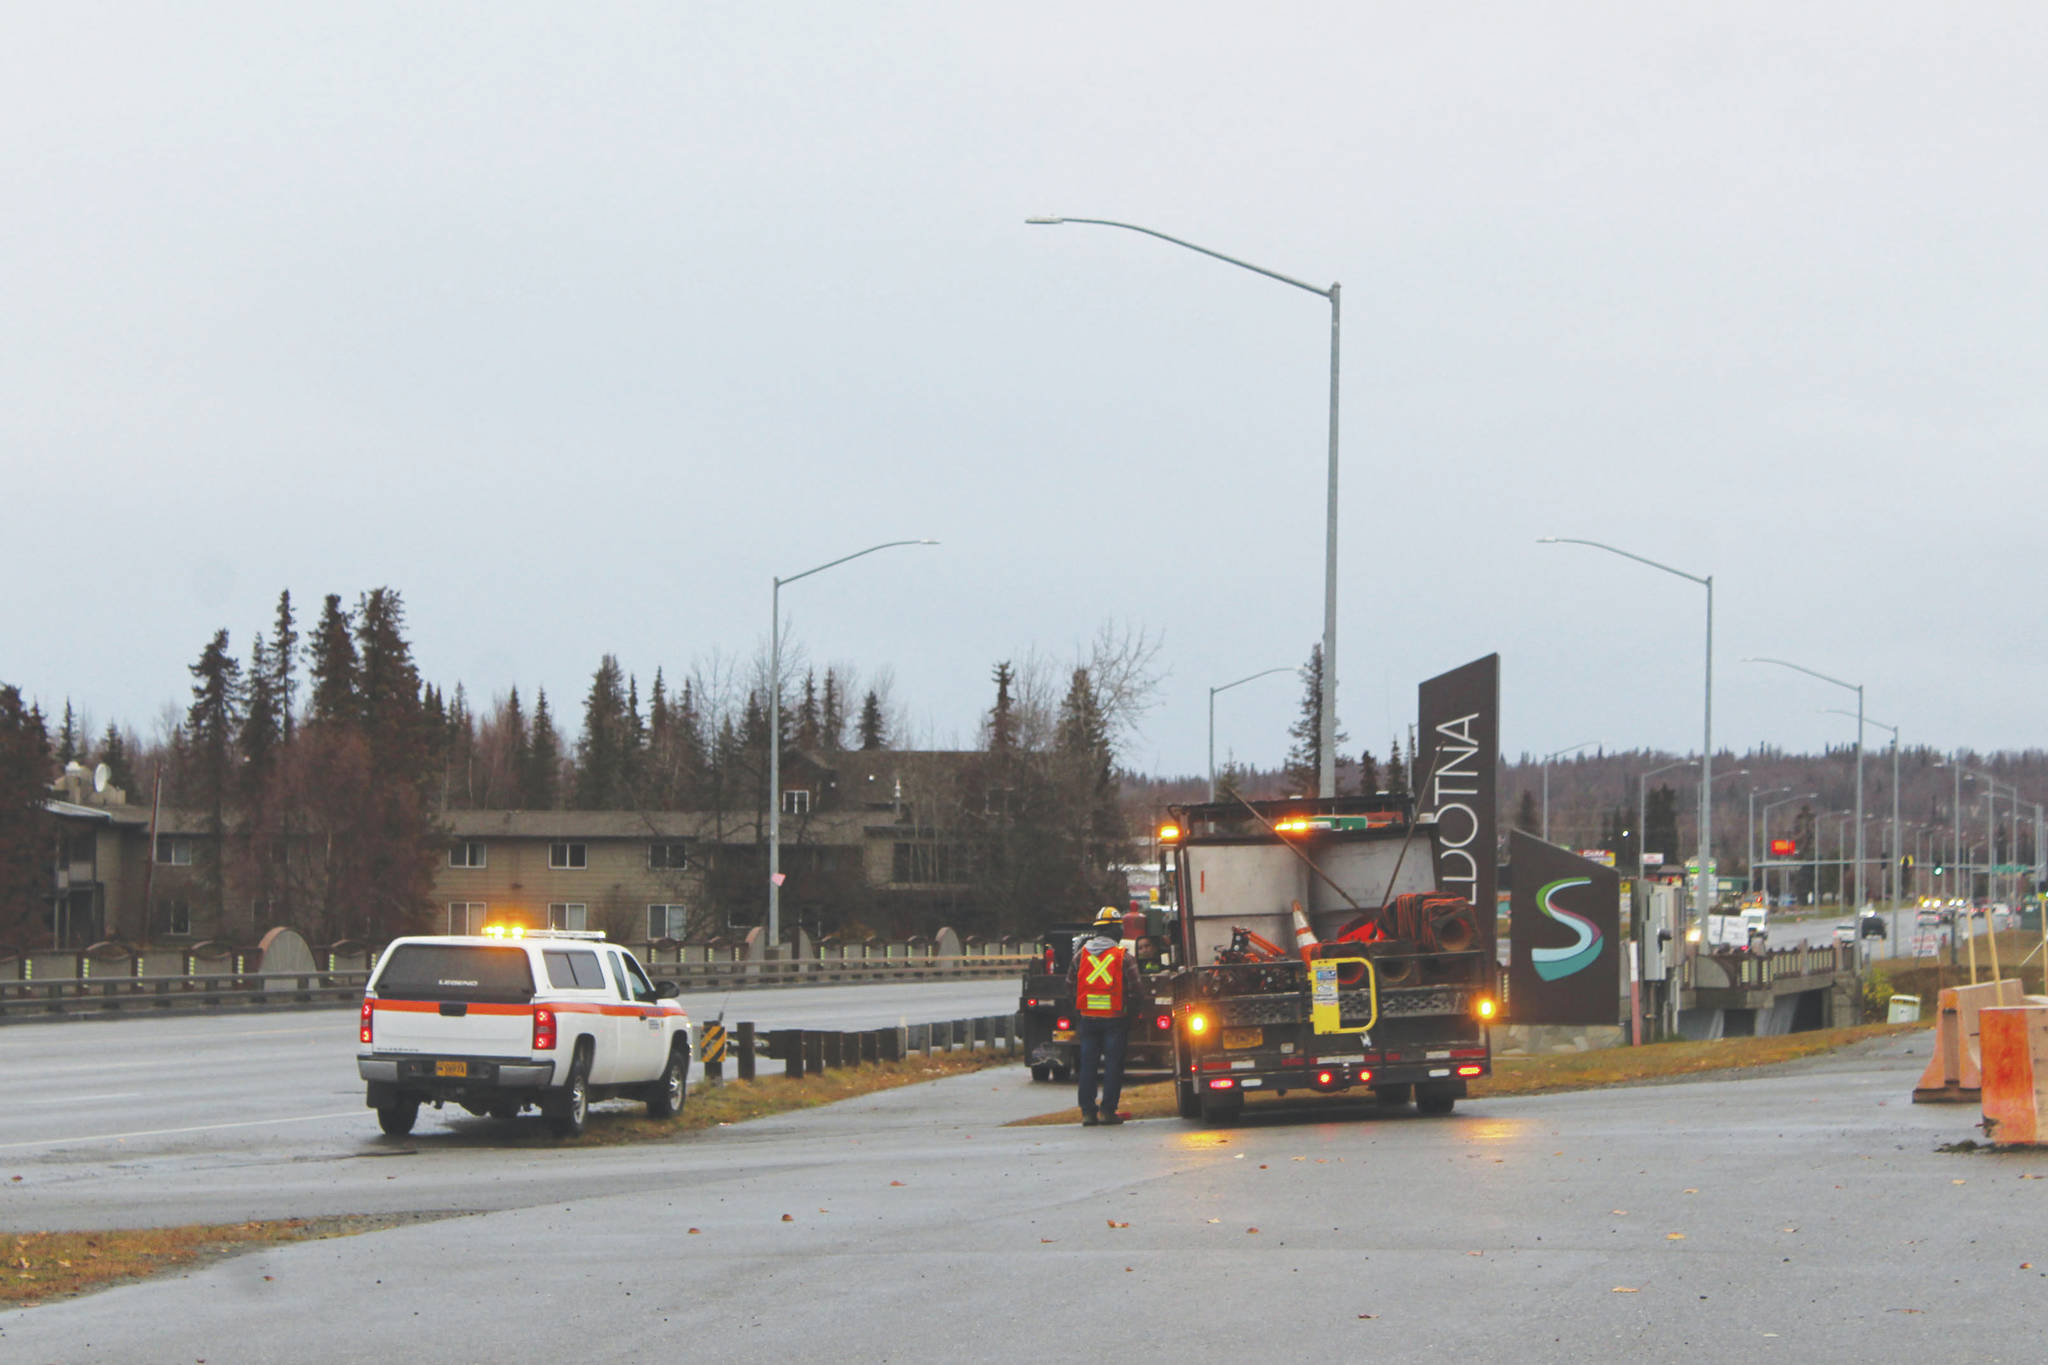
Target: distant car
[(1871, 925), (1845, 933)]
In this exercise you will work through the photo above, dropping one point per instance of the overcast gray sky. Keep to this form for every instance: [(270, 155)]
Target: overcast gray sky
[(576, 323)]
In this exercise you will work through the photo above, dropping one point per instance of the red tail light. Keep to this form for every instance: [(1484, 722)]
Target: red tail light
[(1222, 1083), (1470, 1070), (1325, 1077), (1165, 1022), (543, 1030), (369, 1021), (1064, 1023), (1048, 959)]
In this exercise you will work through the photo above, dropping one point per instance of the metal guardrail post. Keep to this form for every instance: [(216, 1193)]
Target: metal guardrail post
[(743, 1036)]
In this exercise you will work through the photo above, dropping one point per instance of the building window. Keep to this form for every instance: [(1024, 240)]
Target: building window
[(670, 856), (572, 915), (466, 853), (796, 801), (467, 917), (174, 850), (567, 856), (180, 919), (667, 921)]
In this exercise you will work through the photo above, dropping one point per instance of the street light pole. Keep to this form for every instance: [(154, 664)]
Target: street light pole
[(1700, 898), (1897, 871), (1212, 718), (1770, 806), (1568, 749), (775, 729), (1327, 728), (1857, 688)]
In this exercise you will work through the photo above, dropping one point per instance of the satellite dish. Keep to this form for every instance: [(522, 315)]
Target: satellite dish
[(100, 776)]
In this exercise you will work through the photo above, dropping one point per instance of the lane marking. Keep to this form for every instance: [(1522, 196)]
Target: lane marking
[(80, 1099), (170, 1132)]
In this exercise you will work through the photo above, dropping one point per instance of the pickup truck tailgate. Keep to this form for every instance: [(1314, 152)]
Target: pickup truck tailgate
[(463, 998)]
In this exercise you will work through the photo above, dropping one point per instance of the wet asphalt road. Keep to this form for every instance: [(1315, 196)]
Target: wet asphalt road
[(1801, 1214)]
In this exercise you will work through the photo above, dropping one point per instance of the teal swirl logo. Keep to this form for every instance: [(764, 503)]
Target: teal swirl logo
[(1554, 964)]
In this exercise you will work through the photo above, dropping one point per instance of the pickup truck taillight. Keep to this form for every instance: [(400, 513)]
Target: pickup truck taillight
[(369, 1021), (543, 1030)]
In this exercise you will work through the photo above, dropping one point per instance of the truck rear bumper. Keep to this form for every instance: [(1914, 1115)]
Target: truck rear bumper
[(422, 1074)]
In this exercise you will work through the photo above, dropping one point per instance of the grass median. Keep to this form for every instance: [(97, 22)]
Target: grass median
[(1569, 1071)]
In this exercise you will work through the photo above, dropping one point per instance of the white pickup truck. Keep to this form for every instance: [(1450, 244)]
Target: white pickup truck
[(549, 1019)]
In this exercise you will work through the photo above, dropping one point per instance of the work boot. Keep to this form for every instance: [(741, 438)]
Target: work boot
[(1088, 1120), (1112, 1118)]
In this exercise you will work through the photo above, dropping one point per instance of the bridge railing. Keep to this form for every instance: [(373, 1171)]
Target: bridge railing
[(107, 994)]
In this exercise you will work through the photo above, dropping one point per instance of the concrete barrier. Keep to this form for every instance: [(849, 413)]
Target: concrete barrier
[(2015, 1081), (1954, 1074)]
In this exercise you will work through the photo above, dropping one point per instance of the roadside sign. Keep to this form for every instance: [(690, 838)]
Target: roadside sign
[(712, 1049)]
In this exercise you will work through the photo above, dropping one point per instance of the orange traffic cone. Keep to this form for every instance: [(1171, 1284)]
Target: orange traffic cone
[(1304, 937)]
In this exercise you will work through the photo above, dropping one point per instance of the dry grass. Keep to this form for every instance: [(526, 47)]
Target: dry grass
[(1570, 1071), (55, 1265)]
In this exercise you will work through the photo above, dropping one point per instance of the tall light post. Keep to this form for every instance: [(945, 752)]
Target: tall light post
[(1700, 899), (1770, 806), (1896, 871), (775, 729), (1749, 848), (1327, 729), (1567, 749), (1857, 688), (1212, 716)]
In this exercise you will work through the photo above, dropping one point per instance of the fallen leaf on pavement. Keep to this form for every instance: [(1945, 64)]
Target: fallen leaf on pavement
[(695, 1231), (1251, 1229), (1674, 1237), (1363, 1316), (896, 1183), (1623, 1289), (1113, 1223), (788, 1218)]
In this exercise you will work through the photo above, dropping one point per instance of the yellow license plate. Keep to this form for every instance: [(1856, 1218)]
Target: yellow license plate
[(451, 1068), (1243, 1037), (1063, 1035)]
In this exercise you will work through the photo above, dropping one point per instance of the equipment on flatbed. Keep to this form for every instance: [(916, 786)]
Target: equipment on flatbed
[(1392, 984)]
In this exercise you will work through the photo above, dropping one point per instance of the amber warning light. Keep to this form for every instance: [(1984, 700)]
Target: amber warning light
[(1783, 848)]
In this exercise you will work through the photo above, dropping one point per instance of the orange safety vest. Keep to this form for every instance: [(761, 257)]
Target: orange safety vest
[(1099, 983)]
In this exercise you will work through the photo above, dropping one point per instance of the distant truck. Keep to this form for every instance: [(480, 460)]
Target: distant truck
[(1319, 955), (1046, 1004)]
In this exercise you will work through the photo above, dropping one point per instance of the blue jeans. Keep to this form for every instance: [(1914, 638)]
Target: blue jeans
[(1102, 1054)]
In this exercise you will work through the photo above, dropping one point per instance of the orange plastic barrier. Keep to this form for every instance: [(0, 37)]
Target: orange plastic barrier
[(1954, 1074), (2015, 1042)]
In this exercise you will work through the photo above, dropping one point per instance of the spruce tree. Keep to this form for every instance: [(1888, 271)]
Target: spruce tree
[(1304, 771), (211, 724), (114, 753), (873, 731), (26, 827), (1002, 717), (514, 749), (601, 753), (262, 734), (333, 651), (832, 714), (542, 782), (284, 658), (1397, 769), (1528, 819), (807, 720), (388, 688), (67, 737), (1368, 773)]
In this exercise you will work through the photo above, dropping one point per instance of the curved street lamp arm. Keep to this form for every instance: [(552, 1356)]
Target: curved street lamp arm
[(1282, 668), (835, 563), (1625, 554), (1809, 672), (1177, 241)]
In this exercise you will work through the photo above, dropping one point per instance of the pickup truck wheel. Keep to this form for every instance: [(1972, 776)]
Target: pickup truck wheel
[(1393, 1095), (1435, 1099), (666, 1099), (1042, 1072), (398, 1118), (1062, 1074), (572, 1107), (1220, 1108), (1187, 1100)]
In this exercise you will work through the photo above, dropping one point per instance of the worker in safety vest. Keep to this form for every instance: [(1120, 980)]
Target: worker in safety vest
[(1108, 993)]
